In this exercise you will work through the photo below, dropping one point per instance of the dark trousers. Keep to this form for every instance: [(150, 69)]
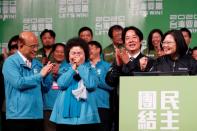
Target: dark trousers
[(84, 127), (116, 116), (48, 125), (114, 110), (105, 118), (3, 122), (24, 125)]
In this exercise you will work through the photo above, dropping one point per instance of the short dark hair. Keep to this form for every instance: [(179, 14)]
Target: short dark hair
[(13, 39), (181, 46), (58, 44), (194, 48), (85, 28), (97, 44), (51, 32), (76, 41), (150, 36), (112, 28), (135, 29), (186, 30)]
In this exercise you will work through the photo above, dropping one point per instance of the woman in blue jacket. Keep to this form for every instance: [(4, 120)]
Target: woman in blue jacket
[(50, 94), (75, 107)]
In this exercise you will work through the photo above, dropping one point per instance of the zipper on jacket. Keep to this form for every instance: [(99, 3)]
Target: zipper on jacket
[(174, 64)]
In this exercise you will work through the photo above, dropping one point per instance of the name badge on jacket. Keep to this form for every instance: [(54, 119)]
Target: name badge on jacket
[(36, 71)]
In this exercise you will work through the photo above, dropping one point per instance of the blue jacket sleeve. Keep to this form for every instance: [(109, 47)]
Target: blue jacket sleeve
[(14, 74), (47, 82), (87, 74), (65, 79), (101, 82)]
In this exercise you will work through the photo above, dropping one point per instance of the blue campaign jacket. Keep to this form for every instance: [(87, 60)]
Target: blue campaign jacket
[(49, 96), (23, 88), (67, 109), (103, 90)]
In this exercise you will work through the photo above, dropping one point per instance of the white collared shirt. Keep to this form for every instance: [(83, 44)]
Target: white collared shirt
[(28, 62), (134, 56)]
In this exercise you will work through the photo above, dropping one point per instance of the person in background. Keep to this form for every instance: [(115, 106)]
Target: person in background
[(194, 53), (153, 49), (115, 34), (49, 96), (23, 77), (188, 38), (48, 40), (86, 34), (103, 91), (75, 108), (12, 47), (175, 59)]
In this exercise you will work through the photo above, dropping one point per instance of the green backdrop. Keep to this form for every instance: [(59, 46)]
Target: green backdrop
[(65, 17)]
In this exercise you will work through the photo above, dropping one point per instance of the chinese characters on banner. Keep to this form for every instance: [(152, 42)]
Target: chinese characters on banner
[(184, 20), (145, 7), (152, 102), (104, 23), (7, 9), (73, 8), (37, 25)]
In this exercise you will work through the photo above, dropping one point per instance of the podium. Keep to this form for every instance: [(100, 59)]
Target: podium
[(158, 103)]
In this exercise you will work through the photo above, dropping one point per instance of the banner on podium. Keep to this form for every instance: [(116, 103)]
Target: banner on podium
[(158, 103)]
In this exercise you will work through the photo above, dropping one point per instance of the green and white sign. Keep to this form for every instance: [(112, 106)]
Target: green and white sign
[(65, 17), (161, 103)]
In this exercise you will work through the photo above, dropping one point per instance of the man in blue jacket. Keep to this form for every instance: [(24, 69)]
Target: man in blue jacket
[(103, 91), (23, 77)]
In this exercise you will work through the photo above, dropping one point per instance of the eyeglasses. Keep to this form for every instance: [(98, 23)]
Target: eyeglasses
[(168, 43), (32, 46)]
